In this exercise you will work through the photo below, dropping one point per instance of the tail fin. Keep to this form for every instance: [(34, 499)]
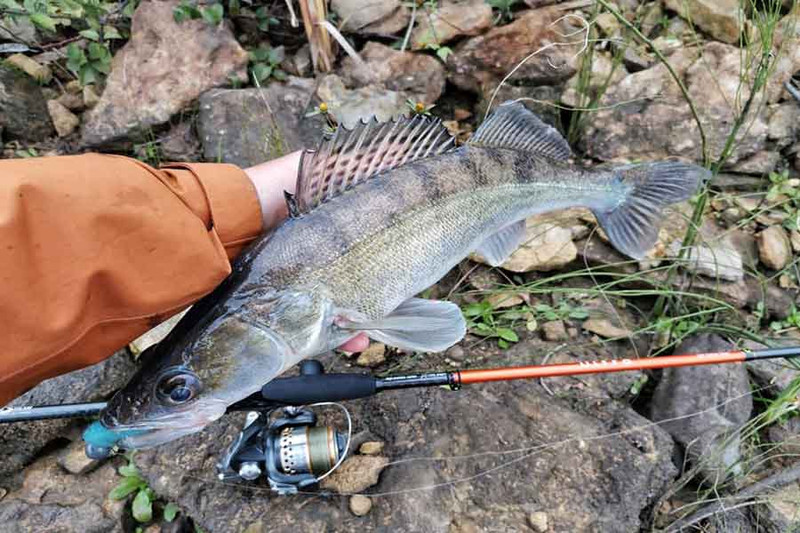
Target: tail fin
[(632, 225)]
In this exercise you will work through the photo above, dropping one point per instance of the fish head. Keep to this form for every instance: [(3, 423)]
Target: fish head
[(189, 379)]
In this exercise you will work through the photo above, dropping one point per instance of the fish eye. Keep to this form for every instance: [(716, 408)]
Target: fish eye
[(178, 388)]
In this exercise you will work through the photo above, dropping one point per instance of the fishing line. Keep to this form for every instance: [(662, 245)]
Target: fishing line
[(343, 455)]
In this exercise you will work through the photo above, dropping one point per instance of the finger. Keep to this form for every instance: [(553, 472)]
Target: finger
[(356, 344)]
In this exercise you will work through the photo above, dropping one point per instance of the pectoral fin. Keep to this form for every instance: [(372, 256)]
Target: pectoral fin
[(417, 324), (497, 248)]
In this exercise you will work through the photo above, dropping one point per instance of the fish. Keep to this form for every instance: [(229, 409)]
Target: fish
[(381, 212)]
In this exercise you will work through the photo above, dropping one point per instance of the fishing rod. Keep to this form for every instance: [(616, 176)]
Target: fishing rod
[(294, 453)]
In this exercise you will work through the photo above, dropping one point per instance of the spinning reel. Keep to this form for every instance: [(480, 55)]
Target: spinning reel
[(292, 451)]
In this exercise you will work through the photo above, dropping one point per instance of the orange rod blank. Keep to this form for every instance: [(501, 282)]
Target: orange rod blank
[(465, 377)]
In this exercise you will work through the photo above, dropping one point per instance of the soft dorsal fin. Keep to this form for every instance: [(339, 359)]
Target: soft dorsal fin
[(512, 126), (348, 157)]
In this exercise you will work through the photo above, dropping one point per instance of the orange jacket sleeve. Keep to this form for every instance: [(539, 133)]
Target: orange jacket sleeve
[(97, 249)]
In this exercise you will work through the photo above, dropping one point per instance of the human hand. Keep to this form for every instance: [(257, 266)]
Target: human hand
[(270, 180)]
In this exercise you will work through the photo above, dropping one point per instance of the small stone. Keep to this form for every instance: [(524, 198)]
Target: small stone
[(90, 96), (371, 447), (357, 473), (32, 68), (460, 113), (607, 23), (504, 300), (72, 101), (64, 120), (23, 112), (456, 353), (349, 107), (774, 248), (719, 18), (718, 260), (374, 355), (73, 459), (3, 493), (360, 505), (554, 331), (420, 77), (604, 328), (73, 87), (300, 63), (538, 521), (356, 14), (794, 237), (451, 19)]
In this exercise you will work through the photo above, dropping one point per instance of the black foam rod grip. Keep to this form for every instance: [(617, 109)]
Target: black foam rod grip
[(301, 390)]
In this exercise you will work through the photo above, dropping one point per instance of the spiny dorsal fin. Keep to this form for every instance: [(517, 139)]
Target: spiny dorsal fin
[(512, 126), (349, 157)]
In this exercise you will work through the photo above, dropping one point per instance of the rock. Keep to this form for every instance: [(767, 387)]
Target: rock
[(360, 505), (784, 123), (786, 46), (372, 447), (300, 63), (717, 259), (554, 330), (758, 164), (481, 62), (602, 69), (23, 112), (451, 19), (52, 500), (774, 248), (18, 29), (90, 96), (703, 408), (357, 473), (161, 70), (456, 353), (538, 521), (74, 87), (719, 18), (794, 237), (19, 443), (777, 511), (417, 75), (391, 25), (35, 70), (63, 119), (236, 126), (654, 122), (73, 459), (374, 355), (181, 143), (636, 59), (504, 300), (546, 247), (72, 101), (358, 14), (604, 328), (349, 107)]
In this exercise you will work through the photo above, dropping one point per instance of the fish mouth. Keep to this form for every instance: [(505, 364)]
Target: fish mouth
[(154, 431)]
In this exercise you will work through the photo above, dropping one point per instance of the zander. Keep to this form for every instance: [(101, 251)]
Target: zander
[(381, 213)]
